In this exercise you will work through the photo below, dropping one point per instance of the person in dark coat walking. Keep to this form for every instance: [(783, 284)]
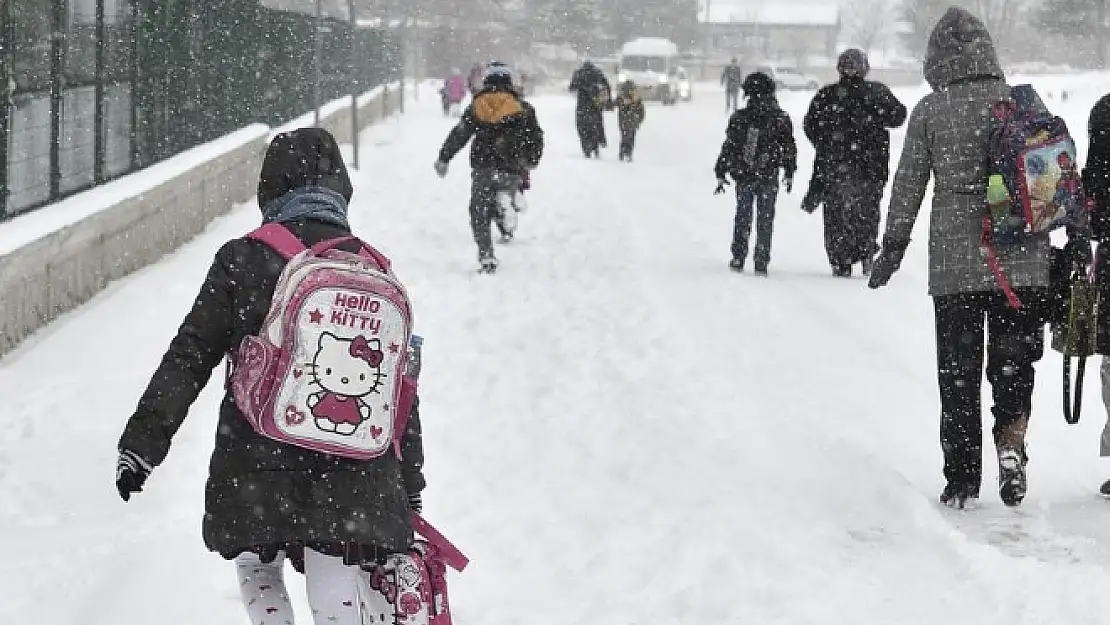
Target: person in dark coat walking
[(267, 500), (847, 123), (758, 143), (947, 139), (630, 115), (731, 78), (594, 93), (508, 143), (1096, 185)]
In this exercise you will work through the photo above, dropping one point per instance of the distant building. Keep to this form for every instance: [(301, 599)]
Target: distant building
[(773, 30)]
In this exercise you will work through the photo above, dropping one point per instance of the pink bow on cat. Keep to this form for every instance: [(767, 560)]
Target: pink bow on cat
[(361, 349)]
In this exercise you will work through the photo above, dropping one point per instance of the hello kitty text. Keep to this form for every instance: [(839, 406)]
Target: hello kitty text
[(355, 312)]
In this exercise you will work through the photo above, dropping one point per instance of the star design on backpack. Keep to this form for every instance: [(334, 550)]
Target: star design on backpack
[(315, 316), (393, 347)]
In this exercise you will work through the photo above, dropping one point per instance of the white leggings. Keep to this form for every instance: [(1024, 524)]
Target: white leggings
[(330, 584)]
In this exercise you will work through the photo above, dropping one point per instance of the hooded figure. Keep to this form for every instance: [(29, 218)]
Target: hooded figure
[(947, 138), (508, 142), (847, 124), (1096, 185), (594, 93), (267, 500), (759, 141)]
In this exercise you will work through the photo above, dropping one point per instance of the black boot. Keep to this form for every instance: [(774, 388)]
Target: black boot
[(958, 495)]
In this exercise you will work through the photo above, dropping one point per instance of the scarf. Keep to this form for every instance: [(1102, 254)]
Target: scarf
[(319, 203)]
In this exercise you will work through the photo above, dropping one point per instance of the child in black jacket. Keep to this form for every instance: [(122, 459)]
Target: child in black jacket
[(758, 143), (630, 115)]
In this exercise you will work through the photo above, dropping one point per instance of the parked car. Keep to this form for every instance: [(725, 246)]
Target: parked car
[(786, 77)]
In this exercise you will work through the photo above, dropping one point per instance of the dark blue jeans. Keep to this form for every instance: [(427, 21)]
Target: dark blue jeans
[(759, 196)]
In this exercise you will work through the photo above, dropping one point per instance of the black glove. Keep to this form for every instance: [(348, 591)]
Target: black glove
[(416, 503), (1077, 252), (721, 184), (131, 473), (788, 182), (888, 261)]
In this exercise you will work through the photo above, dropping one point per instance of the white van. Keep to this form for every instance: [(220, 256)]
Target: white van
[(651, 63)]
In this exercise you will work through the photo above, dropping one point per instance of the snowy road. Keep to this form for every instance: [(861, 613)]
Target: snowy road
[(618, 429)]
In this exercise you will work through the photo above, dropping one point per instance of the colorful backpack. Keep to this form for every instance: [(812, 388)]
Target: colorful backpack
[(1035, 154), (411, 588), (327, 372)]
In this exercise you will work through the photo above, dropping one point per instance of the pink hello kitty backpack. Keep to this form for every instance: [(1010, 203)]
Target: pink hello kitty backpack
[(327, 370)]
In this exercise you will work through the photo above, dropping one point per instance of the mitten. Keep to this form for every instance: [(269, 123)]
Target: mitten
[(721, 184), (788, 182), (416, 503), (131, 473), (888, 261), (441, 169)]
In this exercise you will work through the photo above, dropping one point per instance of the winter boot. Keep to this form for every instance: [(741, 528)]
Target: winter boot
[(737, 265), (1010, 443), (1011, 477), (761, 270), (960, 496), (488, 263), (1105, 490), (842, 271)]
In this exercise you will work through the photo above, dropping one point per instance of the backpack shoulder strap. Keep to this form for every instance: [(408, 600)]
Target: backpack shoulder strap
[(366, 250), (280, 239)]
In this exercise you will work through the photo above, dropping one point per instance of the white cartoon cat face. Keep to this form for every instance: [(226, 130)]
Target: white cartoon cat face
[(348, 367)]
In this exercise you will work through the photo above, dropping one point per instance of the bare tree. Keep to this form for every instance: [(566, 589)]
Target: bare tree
[(868, 23)]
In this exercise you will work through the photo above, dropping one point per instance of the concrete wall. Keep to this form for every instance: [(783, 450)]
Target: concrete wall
[(145, 216)]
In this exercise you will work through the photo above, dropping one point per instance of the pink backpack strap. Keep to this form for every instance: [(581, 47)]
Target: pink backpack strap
[(996, 266), (280, 238), (450, 554), (366, 250)]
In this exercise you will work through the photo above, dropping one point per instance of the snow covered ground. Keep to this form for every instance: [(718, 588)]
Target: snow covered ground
[(619, 430)]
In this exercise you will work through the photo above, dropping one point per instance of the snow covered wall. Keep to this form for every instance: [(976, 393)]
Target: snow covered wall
[(56, 258)]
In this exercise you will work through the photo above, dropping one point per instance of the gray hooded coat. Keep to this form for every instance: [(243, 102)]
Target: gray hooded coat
[(947, 138)]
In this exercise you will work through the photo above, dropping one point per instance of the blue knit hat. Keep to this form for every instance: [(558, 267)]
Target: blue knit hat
[(498, 74)]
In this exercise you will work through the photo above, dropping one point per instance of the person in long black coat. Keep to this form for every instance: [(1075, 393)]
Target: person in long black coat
[(264, 499), (594, 92), (847, 123), (1096, 184)]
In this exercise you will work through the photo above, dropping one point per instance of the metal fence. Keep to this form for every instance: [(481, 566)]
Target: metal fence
[(93, 89)]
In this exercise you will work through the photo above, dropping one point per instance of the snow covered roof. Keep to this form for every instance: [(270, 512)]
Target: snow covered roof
[(770, 14)]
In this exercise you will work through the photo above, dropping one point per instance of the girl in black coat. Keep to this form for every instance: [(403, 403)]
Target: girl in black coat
[(266, 500)]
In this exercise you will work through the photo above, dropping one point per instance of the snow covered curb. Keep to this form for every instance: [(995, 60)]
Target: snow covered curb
[(54, 259)]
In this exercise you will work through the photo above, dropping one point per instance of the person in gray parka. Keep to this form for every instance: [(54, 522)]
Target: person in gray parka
[(947, 138)]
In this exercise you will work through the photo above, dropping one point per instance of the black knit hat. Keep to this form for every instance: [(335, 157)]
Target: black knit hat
[(758, 84), (306, 157)]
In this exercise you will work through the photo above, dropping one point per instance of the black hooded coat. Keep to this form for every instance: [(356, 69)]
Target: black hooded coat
[(263, 495), (594, 91)]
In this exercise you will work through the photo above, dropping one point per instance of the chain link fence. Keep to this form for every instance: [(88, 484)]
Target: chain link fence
[(93, 89)]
